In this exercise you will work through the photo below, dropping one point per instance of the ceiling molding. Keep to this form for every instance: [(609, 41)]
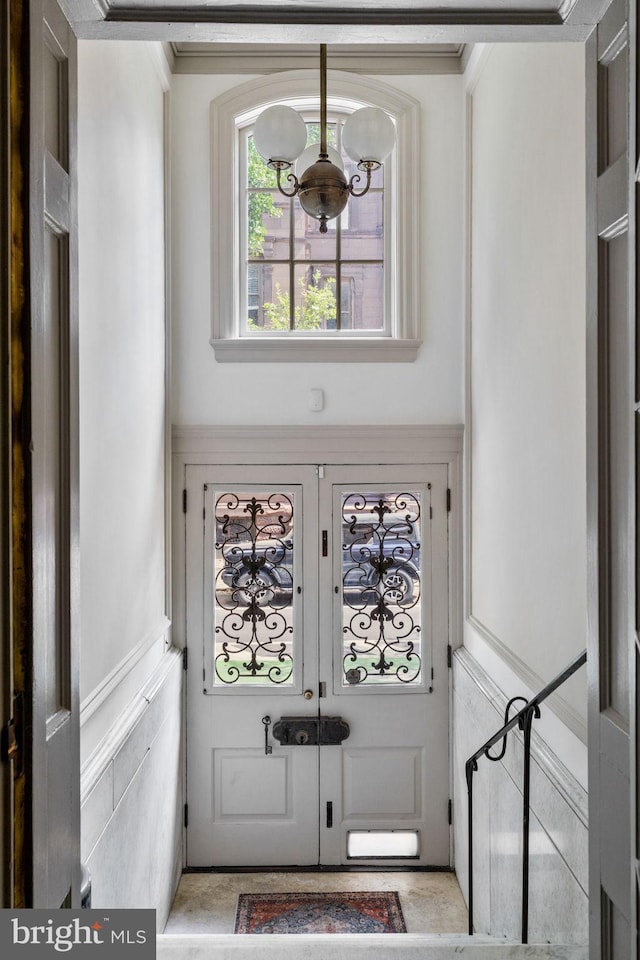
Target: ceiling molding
[(411, 59), (170, 56), (374, 22), (583, 11), (81, 11), (465, 55), (507, 14)]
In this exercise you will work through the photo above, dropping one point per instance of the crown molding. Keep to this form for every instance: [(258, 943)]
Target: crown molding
[(238, 59), (307, 443)]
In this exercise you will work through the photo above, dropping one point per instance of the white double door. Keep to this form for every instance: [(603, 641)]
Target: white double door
[(317, 593)]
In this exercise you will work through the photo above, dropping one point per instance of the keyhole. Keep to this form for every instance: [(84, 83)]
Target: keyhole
[(302, 736)]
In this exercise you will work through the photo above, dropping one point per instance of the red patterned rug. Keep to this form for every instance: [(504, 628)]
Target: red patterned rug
[(372, 912)]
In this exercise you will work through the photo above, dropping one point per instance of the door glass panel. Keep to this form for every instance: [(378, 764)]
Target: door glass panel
[(381, 588), (254, 588)]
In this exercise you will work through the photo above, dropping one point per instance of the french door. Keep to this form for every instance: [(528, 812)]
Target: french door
[(317, 628)]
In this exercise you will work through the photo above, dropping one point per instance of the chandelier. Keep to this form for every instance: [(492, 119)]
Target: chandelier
[(280, 135)]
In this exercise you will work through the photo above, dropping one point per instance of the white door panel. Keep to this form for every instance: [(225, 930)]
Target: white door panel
[(248, 630), (392, 774), (397, 794), (299, 804)]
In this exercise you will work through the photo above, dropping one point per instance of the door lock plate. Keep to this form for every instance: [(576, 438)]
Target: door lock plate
[(310, 731)]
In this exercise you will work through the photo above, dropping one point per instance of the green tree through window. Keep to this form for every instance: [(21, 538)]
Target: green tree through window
[(316, 306), (260, 204)]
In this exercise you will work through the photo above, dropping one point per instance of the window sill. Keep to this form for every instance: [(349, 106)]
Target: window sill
[(316, 350)]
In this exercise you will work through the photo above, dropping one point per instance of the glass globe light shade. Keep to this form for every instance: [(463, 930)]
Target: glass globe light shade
[(280, 133), (310, 156), (369, 134)]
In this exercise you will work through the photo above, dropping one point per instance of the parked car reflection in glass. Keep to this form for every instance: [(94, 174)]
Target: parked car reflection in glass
[(387, 567), (256, 574)]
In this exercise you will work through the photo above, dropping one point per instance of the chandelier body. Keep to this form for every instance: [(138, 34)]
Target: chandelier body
[(323, 189)]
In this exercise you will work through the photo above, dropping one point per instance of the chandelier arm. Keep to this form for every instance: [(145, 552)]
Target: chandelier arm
[(356, 179), (291, 177)]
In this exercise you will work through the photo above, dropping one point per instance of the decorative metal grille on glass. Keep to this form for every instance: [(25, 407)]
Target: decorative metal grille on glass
[(381, 581), (300, 279), (254, 588)]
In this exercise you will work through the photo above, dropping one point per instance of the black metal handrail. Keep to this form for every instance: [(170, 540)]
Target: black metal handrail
[(523, 719)]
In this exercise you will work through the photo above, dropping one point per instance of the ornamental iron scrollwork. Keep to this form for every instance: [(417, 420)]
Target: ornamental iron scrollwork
[(254, 588), (381, 588)]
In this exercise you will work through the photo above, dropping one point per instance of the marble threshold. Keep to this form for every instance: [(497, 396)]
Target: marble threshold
[(405, 946)]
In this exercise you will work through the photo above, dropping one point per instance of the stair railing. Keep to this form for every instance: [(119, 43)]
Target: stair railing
[(523, 719)]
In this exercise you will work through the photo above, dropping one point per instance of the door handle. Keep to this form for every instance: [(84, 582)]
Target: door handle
[(308, 694)]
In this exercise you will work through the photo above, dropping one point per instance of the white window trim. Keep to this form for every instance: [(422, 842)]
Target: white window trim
[(227, 112)]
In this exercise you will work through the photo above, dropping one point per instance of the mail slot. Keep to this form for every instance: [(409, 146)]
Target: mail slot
[(310, 731)]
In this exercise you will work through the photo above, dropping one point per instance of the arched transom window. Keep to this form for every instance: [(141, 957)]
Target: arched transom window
[(282, 290)]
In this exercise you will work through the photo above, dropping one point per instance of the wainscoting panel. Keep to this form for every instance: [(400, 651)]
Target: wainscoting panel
[(132, 800), (558, 881)]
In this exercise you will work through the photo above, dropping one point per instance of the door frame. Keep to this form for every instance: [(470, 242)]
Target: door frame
[(35, 871), (15, 825), (55, 466), (252, 445), (613, 390)]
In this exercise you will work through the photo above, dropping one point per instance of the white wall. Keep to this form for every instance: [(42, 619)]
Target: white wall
[(526, 356), (131, 684), (430, 390), (122, 372)]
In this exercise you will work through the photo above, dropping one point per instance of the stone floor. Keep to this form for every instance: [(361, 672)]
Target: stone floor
[(205, 903)]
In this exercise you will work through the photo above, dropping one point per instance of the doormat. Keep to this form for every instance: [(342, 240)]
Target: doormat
[(370, 912)]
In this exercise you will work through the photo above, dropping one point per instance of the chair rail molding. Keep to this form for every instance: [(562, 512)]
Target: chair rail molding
[(524, 674)]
